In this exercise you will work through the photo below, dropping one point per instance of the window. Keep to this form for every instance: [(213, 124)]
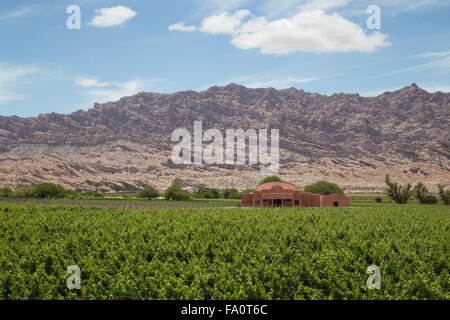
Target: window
[(336, 204), (297, 202)]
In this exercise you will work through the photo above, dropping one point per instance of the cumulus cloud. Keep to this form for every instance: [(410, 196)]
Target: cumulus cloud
[(313, 31), (309, 31), (181, 27), (115, 16), (224, 22), (88, 82)]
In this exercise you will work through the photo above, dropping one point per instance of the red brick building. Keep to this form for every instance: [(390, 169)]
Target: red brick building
[(281, 194)]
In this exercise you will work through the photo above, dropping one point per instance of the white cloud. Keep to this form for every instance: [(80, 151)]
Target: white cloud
[(119, 90), (10, 78), (224, 22), (275, 82), (181, 27), (88, 82), (436, 54), (439, 65), (323, 4), (15, 14), (218, 6), (308, 31), (311, 31), (108, 17), (433, 88), (274, 8)]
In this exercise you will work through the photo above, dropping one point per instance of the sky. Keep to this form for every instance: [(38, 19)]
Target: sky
[(50, 63)]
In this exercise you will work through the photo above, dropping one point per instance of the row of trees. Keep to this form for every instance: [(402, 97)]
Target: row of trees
[(47, 191), (177, 193), (401, 194)]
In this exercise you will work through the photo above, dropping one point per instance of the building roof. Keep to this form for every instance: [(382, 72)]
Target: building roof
[(270, 185)]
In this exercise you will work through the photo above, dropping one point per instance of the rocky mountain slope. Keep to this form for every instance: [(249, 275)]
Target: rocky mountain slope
[(125, 145)]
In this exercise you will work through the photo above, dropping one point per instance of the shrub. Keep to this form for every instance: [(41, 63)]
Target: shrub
[(378, 200), (207, 193), (182, 195), (429, 199), (323, 187), (231, 194), (49, 190), (93, 195), (420, 191), (149, 193), (270, 179), (445, 194), (29, 192), (398, 193), (176, 193), (6, 192)]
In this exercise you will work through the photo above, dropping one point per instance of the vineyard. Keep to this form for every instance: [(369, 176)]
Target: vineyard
[(214, 253)]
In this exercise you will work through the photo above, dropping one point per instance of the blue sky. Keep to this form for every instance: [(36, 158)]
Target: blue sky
[(128, 46)]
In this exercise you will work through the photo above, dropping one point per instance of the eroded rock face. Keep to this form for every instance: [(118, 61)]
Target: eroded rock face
[(344, 138)]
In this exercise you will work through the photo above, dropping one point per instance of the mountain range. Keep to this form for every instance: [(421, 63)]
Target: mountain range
[(125, 146)]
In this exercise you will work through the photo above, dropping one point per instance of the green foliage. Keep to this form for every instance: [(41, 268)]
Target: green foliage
[(29, 192), (444, 194), (398, 193), (420, 191), (224, 254), (231, 194), (207, 193), (6, 192), (49, 190), (378, 200), (429, 199), (247, 191), (270, 179), (149, 193), (176, 193), (323, 187)]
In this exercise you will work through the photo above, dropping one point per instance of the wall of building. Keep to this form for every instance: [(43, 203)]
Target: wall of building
[(329, 200)]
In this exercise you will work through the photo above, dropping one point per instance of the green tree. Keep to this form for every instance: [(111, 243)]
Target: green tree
[(397, 192), (429, 199), (445, 194), (149, 193), (420, 191), (207, 193), (231, 194), (6, 192), (29, 192), (49, 190), (176, 193), (323, 187), (270, 179)]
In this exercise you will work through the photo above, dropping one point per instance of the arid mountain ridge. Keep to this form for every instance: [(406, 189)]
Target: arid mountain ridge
[(125, 145)]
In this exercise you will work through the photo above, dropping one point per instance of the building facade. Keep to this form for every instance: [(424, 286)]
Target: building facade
[(281, 194)]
